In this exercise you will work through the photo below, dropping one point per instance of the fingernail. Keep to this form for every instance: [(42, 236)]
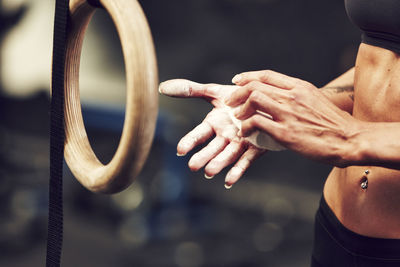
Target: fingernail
[(180, 155), (227, 186), (208, 177), (240, 134), (237, 78)]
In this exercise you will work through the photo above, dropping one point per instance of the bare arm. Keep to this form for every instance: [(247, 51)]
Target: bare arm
[(307, 122), (376, 144), (373, 143), (340, 91)]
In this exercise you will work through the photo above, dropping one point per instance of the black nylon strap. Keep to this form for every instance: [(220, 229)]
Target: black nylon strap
[(57, 136)]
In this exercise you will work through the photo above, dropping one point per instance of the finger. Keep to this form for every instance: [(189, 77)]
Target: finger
[(240, 95), (260, 122), (242, 165), (201, 158), (266, 76), (223, 159), (258, 101), (186, 88), (197, 136)]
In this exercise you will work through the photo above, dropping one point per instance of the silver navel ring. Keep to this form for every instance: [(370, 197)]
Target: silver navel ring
[(364, 180)]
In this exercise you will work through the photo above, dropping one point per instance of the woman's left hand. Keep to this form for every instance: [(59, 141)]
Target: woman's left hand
[(225, 147), (304, 120)]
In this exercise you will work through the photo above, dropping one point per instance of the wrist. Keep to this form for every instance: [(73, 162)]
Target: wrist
[(357, 145)]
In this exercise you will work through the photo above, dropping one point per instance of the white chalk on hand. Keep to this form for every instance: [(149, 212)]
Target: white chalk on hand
[(257, 138)]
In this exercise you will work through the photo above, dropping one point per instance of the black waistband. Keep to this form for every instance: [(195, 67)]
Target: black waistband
[(355, 243)]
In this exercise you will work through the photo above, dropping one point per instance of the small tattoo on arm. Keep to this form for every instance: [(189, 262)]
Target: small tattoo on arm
[(341, 89)]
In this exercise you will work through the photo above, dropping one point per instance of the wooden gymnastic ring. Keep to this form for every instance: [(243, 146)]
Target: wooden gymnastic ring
[(141, 103)]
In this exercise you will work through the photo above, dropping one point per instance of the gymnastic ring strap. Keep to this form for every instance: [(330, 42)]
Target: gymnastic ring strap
[(55, 217), (71, 20)]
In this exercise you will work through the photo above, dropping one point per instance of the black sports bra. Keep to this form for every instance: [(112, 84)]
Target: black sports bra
[(379, 21)]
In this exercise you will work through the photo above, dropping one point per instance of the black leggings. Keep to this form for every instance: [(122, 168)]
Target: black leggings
[(337, 246)]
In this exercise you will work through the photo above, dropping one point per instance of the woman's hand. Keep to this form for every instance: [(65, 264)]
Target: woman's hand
[(226, 147), (304, 120)]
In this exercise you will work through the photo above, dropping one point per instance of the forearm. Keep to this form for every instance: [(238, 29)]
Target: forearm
[(375, 144), (340, 91)]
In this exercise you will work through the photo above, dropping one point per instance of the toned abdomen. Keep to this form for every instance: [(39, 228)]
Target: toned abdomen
[(374, 211)]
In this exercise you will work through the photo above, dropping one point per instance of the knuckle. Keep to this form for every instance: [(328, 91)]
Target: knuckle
[(191, 136), (252, 85), (298, 94), (190, 90), (298, 81), (292, 95), (283, 135), (244, 164), (223, 138), (304, 84), (255, 97), (289, 135), (187, 88), (255, 121), (308, 86), (212, 90), (266, 75), (295, 95)]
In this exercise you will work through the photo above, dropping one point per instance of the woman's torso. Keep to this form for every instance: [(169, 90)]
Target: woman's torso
[(374, 211)]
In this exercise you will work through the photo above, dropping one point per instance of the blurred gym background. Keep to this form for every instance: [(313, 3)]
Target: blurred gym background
[(170, 216)]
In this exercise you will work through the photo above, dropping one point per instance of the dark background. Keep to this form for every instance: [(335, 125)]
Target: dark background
[(170, 216)]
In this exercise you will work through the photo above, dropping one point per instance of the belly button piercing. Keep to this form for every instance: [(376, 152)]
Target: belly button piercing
[(364, 183), (364, 180)]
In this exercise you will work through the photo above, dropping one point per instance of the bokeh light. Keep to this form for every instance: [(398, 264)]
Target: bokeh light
[(129, 199), (134, 230), (267, 237), (189, 254)]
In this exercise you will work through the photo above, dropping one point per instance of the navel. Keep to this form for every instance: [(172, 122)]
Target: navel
[(364, 180)]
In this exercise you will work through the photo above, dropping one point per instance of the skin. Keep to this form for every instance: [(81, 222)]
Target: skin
[(376, 211), (307, 121), (353, 130), (226, 147)]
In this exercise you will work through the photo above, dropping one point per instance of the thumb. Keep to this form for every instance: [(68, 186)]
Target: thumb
[(186, 88)]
